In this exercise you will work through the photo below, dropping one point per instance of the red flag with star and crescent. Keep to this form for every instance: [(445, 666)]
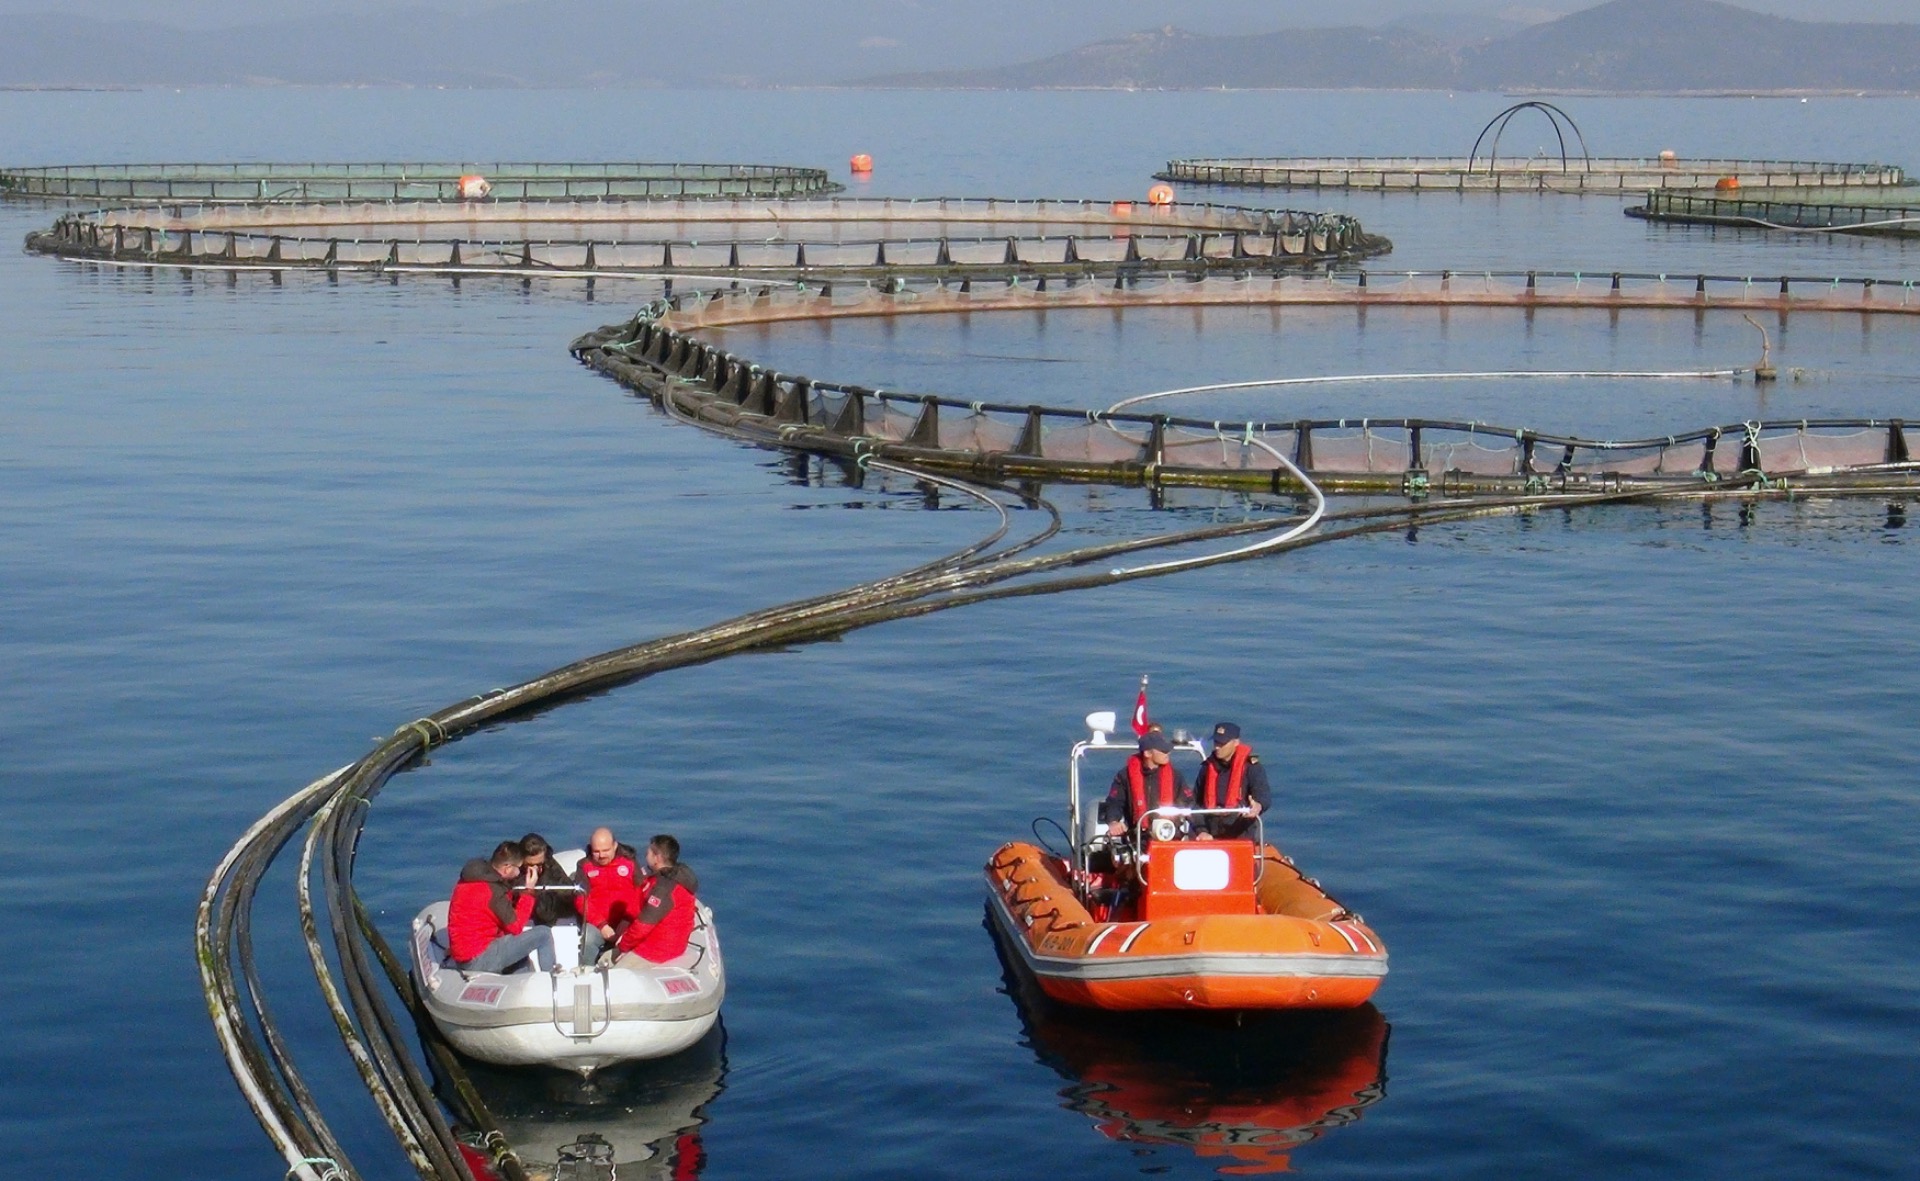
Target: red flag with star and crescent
[(1141, 724)]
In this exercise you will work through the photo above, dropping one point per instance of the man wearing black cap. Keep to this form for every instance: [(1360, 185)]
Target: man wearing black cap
[(1148, 781), (1232, 778)]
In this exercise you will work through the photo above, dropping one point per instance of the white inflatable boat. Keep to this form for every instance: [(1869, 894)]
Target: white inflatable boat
[(575, 1018)]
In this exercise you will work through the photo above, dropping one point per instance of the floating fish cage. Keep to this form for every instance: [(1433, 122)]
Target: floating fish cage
[(257, 183), (759, 239), (1774, 211), (660, 355), (1461, 174)]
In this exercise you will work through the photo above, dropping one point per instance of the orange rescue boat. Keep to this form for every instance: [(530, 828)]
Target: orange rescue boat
[(1156, 920)]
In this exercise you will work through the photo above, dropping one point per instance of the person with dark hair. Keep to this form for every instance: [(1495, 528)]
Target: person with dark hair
[(1232, 777), (486, 924), (552, 886), (608, 875), (1148, 781), (660, 931)]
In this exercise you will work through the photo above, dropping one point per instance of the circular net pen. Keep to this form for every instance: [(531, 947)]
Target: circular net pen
[(1614, 176), (268, 183), (1857, 211), (659, 354), (865, 238)]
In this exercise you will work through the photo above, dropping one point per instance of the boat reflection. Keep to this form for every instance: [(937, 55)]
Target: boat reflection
[(1245, 1091), (638, 1121)]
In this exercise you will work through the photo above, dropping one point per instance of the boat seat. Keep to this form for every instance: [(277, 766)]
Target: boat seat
[(438, 941), (686, 961)]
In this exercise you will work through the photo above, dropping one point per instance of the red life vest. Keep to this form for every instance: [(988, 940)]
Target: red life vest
[(1137, 786), (1236, 778)]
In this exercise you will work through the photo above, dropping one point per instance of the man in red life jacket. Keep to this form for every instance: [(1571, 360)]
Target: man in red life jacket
[(610, 876), (487, 920), (665, 921), (1148, 781), (1232, 777)]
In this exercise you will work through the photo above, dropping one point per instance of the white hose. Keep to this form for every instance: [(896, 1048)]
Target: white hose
[(1302, 529), (1368, 378)]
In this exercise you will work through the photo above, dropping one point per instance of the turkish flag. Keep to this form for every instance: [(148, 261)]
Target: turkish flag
[(1140, 723)]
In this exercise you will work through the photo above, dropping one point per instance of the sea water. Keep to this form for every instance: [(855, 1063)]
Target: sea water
[(1629, 792)]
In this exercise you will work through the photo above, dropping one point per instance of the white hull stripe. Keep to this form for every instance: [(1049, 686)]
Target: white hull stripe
[(1342, 932), (1100, 938), (1278, 965), (1137, 932), (1351, 930)]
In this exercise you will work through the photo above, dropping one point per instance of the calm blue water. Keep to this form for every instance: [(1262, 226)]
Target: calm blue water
[(1630, 793)]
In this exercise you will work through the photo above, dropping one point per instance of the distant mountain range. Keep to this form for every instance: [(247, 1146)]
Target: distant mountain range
[(1623, 45)]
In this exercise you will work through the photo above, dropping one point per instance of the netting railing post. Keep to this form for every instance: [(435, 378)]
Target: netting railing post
[(926, 428), (734, 389), (792, 402), (1031, 435), (1897, 442), (1303, 445), (761, 395), (852, 419)]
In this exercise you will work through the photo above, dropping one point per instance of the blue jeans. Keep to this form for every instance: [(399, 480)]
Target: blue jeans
[(591, 943), (508, 950)]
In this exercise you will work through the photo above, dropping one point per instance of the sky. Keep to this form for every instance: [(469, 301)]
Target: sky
[(1101, 17)]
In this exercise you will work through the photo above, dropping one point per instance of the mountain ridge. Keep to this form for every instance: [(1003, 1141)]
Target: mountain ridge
[(1632, 46)]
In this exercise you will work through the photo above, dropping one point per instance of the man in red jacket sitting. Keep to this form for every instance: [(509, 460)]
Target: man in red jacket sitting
[(487, 923), (609, 875), (660, 931)]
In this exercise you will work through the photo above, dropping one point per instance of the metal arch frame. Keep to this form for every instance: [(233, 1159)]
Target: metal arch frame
[(1554, 116)]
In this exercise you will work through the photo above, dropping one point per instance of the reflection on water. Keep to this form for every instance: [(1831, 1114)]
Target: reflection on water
[(1244, 1090), (639, 1121)]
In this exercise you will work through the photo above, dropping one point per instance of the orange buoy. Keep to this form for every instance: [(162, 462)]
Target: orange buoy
[(1160, 195), (861, 164), (1669, 158), (474, 187), (1727, 182)]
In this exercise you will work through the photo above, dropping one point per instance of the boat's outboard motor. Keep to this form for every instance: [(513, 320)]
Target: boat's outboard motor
[(590, 1158)]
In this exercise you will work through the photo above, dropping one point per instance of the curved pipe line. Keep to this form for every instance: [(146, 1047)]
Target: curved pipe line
[(1367, 378), (1301, 530), (216, 979), (1859, 225)]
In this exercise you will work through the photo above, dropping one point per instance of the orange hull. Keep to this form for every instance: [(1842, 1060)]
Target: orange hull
[(1299, 949)]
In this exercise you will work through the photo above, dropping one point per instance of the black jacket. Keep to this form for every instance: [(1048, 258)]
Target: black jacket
[(550, 905), (1119, 802), (1253, 787)]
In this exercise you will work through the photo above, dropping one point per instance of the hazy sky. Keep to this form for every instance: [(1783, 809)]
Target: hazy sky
[(1101, 17)]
